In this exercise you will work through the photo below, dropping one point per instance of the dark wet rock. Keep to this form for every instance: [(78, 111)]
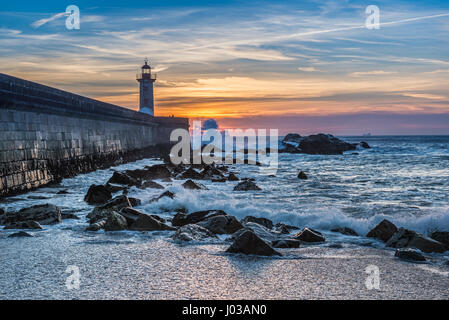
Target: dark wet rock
[(383, 231), (166, 180), (63, 192), (20, 234), (302, 175), (267, 223), (315, 144), (222, 168), (158, 171), (151, 184), (232, 177), (38, 197), (246, 185), (124, 179), (2, 211), (286, 243), (182, 219), (405, 238), (113, 188), (441, 236), (96, 225), (97, 194), (44, 214), (309, 235), (221, 224), (69, 215), (409, 255), (210, 172), (249, 243), (165, 194), (30, 224), (219, 180), (346, 231), (146, 222), (284, 228), (130, 214), (102, 211), (115, 222), (192, 232), (135, 202), (261, 231), (190, 185), (364, 145), (191, 173)]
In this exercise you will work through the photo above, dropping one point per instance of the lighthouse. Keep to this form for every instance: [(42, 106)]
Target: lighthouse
[(146, 80)]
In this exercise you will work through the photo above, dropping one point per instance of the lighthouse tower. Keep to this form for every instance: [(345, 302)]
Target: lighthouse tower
[(146, 80)]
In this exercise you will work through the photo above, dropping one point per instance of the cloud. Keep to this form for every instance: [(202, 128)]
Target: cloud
[(41, 22), (372, 73), (307, 69)]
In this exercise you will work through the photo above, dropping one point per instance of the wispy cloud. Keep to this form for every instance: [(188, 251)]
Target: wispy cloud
[(41, 22)]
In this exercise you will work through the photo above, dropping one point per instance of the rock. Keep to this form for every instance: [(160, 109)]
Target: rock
[(364, 145), (97, 194), (44, 214), (191, 173), (246, 185), (249, 243), (63, 192), (221, 224), (19, 234), (69, 215), (409, 255), (192, 232), (315, 144), (145, 222), (115, 222), (346, 231), (383, 231), (309, 235), (113, 188), (404, 238), (262, 232), (168, 194), (135, 202), (284, 228), (115, 204), (190, 185), (302, 175), (232, 177), (96, 225), (158, 171), (286, 243), (211, 173), (181, 219), (151, 184), (267, 223), (124, 179), (441, 236), (24, 225)]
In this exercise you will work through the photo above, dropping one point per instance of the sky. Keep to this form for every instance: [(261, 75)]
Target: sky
[(297, 66)]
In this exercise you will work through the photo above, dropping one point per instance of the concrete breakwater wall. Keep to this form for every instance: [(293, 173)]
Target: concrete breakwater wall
[(47, 134)]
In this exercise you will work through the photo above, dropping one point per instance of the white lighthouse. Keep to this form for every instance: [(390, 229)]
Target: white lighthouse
[(146, 80)]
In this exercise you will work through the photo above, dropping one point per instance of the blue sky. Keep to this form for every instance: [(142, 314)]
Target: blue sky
[(247, 63)]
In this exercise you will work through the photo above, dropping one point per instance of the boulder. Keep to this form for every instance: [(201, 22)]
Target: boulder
[(145, 222), (267, 223), (364, 145), (63, 192), (167, 193), (210, 172), (181, 219), (262, 232), (97, 194), (284, 228), (404, 238), (151, 184), (246, 185), (96, 225), (292, 138), (286, 243), (192, 232), (115, 222), (249, 243), (383, 231), (346, 231), (309, 235), (302, 175), (113, 188), (315, 144), (190, 185), (20, 234), (44, 214), (441, 236), (102, 211), (30, 224), (124, 179), (69, 215), (221, 224), (135, 202), (191, 173), (409, 255), (158, 171), (232, 177)]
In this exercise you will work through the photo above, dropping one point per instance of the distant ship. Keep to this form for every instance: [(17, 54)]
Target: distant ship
[(366, 135)]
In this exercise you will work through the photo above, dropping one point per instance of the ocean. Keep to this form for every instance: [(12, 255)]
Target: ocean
[(402, 178)]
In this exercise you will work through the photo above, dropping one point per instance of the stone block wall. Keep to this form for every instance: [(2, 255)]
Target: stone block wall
[(47, 134)]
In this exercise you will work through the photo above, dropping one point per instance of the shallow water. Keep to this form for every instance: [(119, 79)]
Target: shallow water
[(404, 179)]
